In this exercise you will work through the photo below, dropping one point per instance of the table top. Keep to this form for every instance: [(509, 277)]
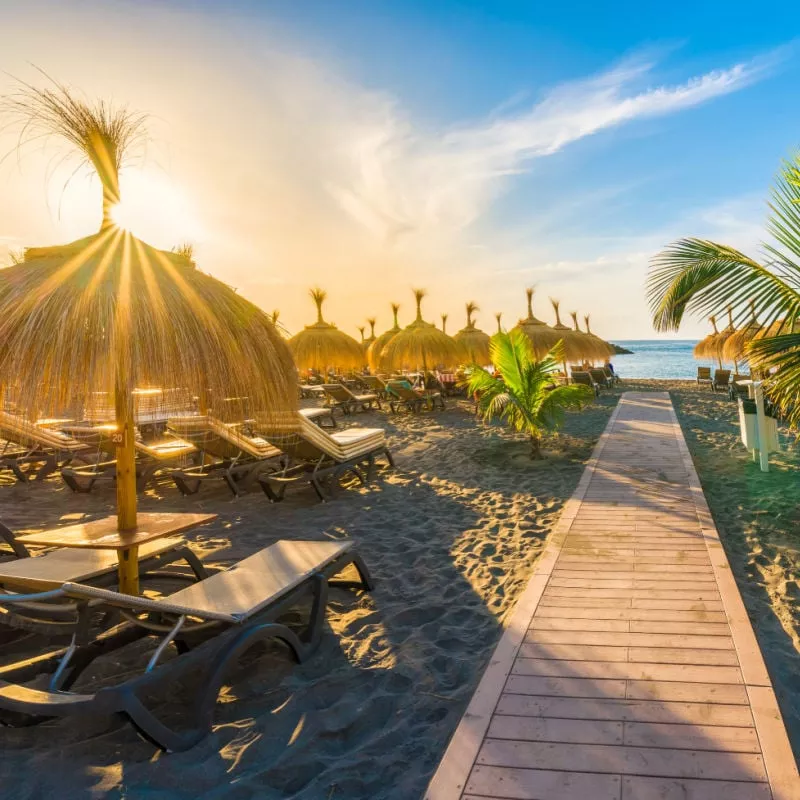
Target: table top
[(102, 534)]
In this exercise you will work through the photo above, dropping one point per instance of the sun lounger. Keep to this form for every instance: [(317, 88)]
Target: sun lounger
[(585, 379), (233, 610), (401, 395), (704, 375), (722, 379), (26, 446), (150, 457), (320, 458), (43, 571), (611, 376), (339, 396), (227, 452), (376, 385), (600, 378), (320, 416)]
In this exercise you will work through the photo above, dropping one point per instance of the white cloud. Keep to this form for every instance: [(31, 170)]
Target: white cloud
[(404, 181)]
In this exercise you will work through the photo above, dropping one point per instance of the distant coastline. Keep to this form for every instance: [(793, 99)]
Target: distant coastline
[(621, 351)]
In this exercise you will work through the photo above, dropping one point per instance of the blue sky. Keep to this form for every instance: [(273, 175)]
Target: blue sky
[(473, 148)]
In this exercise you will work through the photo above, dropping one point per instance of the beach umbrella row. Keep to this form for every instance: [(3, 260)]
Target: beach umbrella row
[(422, 345)]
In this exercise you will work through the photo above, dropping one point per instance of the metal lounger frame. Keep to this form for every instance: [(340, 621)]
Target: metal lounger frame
[(214, 656)]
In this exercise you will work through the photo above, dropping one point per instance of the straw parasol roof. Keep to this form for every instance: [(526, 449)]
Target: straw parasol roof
[(420, 344), (376, 348), (473, 342), (725, 334), (109, 312), (577, 345), (323, 345), (604, 348), (736, 344), (371, 338), (707, 348), (542, 336)]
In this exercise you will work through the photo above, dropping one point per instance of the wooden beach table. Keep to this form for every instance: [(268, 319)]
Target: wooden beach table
[(102, 534)]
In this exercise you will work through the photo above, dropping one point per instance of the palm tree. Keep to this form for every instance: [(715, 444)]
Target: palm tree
[(524, 395), (705, 277)]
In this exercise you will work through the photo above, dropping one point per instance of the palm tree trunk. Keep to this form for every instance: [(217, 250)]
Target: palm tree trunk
[(536, 446)]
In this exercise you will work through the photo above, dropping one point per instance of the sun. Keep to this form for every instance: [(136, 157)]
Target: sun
[(156, 209)]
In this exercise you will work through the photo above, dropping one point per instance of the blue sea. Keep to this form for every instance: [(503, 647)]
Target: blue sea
[(658, 358)]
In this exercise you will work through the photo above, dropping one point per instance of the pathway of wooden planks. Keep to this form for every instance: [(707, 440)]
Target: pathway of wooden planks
[(629, 669)]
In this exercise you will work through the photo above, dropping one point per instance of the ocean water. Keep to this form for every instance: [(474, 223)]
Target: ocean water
[(658, 358)]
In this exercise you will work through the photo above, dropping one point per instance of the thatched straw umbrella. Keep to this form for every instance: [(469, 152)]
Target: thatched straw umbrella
[(604, 349), (110, 313), (323, 345), (577, 345), (726, 334), (420, 344), (376, 348), (444, 323), (542, 336), (363, 342), (473, 342), (371, 338), (735, 346), (708, 348)]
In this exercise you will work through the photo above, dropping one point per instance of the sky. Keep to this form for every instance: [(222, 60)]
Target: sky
[(371, 146)]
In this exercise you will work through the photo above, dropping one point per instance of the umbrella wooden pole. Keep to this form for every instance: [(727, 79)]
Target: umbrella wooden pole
[(126, 486)]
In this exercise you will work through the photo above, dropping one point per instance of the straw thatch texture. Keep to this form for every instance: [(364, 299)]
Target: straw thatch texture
[(736, 344), (707, 347), (323, 345), (419, 345), (473, 343), (577, 346), (366, 344), (604, 349), (376, 348), (108, 309), (542, 336), (102, 135)]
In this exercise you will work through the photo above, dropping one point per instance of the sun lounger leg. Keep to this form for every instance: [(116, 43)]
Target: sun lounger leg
[(389, 457), (167, 739), (184, 486), (365, 579), (48, 468)]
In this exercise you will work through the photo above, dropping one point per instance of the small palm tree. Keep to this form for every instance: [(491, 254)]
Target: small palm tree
[(705, 277), (524, 395)]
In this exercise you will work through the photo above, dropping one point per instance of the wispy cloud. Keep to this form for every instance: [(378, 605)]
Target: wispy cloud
[(404, 181)]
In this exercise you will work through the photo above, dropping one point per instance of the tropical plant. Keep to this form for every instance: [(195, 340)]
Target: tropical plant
[(524, 394), (704, 277)]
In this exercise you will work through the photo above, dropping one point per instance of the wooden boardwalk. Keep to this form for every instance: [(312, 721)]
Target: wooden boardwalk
[(629, 669)]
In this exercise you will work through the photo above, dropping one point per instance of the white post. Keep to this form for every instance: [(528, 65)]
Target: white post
[(761, 426)]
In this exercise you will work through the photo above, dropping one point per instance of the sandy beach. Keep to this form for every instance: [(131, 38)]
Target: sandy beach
[(451, 536)]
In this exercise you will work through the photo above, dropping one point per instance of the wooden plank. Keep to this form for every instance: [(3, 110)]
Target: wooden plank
[(623, 760), (690, 737), (651, 711), (645, 788), (630, 639), (565, 687), (640, 614), (532, 784), (576, 731), (647, 671), (686, 692), (576, 652)]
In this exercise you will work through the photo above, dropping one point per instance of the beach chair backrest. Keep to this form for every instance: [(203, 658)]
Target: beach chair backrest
[(211, 436), (598, 375), (402, 390), (338, 392), (722, 377), (607, 372), (582, 377), (704, 373), (302, 440), (23, 432)]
